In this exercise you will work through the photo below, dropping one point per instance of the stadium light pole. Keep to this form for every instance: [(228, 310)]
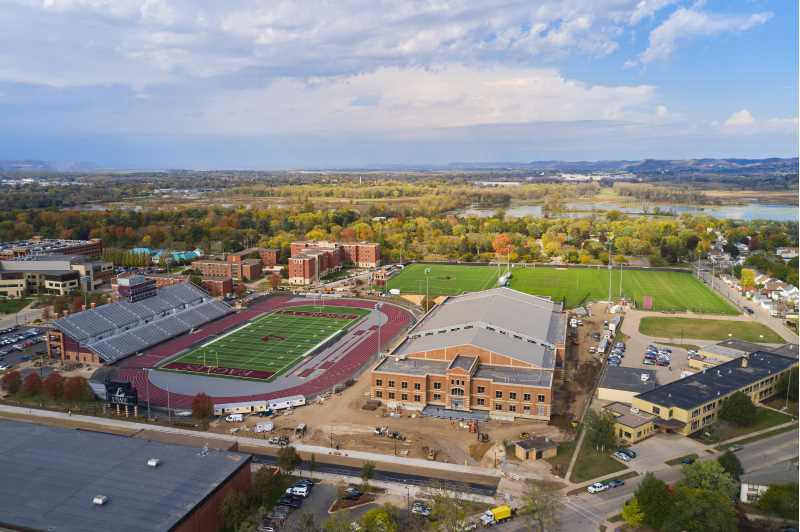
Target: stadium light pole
[(378, 308), (427, 290), (609, 269), (147, 376)]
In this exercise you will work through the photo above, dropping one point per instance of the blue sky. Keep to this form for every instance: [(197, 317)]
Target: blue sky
[(288, 84)]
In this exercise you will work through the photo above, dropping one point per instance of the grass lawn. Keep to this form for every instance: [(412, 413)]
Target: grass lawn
[(761, 436), (444, 279), (766, 419), (12, 306), (707, 329), (591, 464), (779, 403), (268, 346), (671, 291)]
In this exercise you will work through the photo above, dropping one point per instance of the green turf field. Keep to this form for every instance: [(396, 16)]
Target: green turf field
[(671, 291), (268, 346), (444, 279), (748, 331)]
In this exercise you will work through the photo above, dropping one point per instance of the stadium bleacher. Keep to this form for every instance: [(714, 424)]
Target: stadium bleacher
[(117, 330)]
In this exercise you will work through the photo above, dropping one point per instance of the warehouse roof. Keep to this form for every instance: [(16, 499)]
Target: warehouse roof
[(50, 476), (628, 379), (705, 386)]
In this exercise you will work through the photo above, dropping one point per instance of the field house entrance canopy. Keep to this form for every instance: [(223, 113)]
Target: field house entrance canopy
[(120, 329)]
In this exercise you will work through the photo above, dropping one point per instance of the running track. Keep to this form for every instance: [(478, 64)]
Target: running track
[(132, 369)]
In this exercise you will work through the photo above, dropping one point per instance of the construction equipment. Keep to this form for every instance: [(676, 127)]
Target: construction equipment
[(496, 515)]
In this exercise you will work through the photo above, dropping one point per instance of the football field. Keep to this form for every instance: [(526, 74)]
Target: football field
[(269, 345), (670, 291)]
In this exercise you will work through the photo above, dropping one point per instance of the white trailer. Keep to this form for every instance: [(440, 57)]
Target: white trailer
[(247, 407), (283, 403)]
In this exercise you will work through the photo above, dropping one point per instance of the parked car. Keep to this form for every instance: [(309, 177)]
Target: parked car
[(420, 508), (597, 487), (300, 491), (630, 452), (735, 448), (616, 483), (688, 460), (352, 493), (290, 501), (649, 362), (749, 310), (622, 457)]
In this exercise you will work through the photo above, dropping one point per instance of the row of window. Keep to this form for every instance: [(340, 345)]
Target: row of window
[(481, 389), (403, 396)]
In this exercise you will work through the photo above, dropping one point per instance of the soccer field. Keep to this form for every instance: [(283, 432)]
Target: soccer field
[(671, 291), (444, 279), (270, 345)]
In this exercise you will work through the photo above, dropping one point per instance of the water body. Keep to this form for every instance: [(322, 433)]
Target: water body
[(780, 212)]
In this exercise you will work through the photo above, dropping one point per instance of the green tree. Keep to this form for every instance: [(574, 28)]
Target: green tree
[(383, 519), (699, 510), (288, 459), (367, 472), (447, 509), (233, 510), (780, 500), (267, 485), (789, 380), (655, 501), (738, 409), (731, 464), (708, 475), (540, 507), (337, 523), (632, 513), (305, 523), (599, 428)]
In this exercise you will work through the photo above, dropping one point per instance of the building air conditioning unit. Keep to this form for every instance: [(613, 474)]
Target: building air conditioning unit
[(153, 462), (100, 500)]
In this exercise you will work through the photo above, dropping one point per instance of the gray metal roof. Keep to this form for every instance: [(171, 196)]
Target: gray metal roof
[(776, 474), (413, 366), (501, 307), (519, 348), (119, 329), (463, 362), (628, 379), (719, 381), (50, 475)]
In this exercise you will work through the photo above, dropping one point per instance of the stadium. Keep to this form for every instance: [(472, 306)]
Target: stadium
[(176, 342)]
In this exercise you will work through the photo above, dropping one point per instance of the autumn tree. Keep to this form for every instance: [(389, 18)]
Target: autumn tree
[(275, 281), (632, 513), (502, 244), (748, 279), (53, 385), (202, 407), (32, 385), (76, 389), (12, 382)]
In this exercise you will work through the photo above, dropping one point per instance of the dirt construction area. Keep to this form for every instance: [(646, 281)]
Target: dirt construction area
[(340, 422)]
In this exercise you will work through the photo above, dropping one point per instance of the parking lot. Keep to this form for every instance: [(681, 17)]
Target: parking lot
[(654, 451), (636, 345), (20, 344)]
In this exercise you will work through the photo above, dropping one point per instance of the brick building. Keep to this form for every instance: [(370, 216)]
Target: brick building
[(239, 266), (493, 354), (311, 260), (216, 286)]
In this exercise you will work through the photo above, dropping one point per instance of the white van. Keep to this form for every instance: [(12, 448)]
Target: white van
[(300, 491), (232, 418)]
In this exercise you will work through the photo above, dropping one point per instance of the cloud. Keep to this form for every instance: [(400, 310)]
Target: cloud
[(740, 118), (684, 23), (144, 42)]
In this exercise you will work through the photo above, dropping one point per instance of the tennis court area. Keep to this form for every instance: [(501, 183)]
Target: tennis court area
[(270, 345)]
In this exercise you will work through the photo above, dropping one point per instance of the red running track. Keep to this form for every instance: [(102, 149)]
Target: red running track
[(345, 367)]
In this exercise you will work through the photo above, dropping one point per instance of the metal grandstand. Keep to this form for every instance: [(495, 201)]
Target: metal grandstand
[(120, 329)]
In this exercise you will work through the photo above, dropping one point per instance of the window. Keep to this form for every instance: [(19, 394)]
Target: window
[(457, 391), (391, 384), (526, 397), (452, 382), (498, 394), (512, 408), (391, 395), (417, 399), (512, 396), (526, 409), (540, 398), (437, 385), (404, 385), (481, 389), (416, 386), (481, 402), (498, 406), (378, 382), (656, 410), (695, 412), (437, 397), (404, 397), (379, 394)]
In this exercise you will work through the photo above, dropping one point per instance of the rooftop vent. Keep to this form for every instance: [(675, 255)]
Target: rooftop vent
[(153, 462), (100, 500)]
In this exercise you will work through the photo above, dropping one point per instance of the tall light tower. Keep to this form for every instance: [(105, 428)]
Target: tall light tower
[(610, 269), (427, 290), (378, 308)]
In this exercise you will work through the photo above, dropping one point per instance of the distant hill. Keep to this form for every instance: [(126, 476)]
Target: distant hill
[(37, 165)]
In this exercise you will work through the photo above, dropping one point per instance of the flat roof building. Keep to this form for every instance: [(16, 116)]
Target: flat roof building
[(51, 477), (622, 384), (691, 403), (49, 246), (494, 352)]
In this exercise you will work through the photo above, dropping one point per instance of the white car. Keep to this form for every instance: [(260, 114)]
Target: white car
[(597, 487), (622, 457)]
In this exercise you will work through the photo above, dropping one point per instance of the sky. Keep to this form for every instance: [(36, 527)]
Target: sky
[(276, 84)]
